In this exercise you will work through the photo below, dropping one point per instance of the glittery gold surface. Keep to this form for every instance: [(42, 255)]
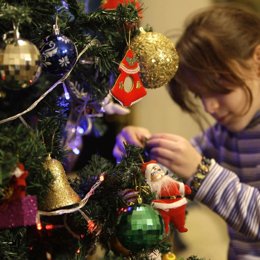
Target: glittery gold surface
[(20, 61), (169, 256), (157, 57), (60, 194)]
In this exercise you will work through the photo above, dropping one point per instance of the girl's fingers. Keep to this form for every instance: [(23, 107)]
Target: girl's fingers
[(129, 135), (159, 152), (162, 143), (166, 136)]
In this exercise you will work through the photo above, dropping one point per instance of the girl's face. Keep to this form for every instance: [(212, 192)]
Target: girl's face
[(232, 110)]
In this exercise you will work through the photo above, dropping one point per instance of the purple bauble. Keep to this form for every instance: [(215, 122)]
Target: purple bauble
[(58, 53)]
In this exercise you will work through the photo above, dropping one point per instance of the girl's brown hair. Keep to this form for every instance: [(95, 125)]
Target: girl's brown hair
[(212, 40)]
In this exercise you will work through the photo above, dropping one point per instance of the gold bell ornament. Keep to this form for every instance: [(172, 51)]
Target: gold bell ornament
[(60, 193), (157, 57)]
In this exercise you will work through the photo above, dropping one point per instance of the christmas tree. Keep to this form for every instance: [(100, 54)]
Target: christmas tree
[(64, 67)]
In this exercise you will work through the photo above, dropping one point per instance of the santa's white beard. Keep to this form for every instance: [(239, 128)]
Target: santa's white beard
[(165, 182)]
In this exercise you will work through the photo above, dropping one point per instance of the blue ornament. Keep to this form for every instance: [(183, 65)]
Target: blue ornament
[(58, 53)]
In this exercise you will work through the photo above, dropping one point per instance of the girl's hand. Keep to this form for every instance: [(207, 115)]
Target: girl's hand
[(131, 135), (174, 152)]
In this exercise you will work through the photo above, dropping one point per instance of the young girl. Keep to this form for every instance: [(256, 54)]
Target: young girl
[(219, 53)]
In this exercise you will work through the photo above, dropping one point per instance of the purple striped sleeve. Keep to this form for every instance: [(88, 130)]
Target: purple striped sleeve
[(232, 200)]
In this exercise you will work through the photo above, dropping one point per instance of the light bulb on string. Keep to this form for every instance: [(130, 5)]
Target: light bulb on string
[(75, 143), (80, 130), (76, 151), (66, 92), (85, 125)]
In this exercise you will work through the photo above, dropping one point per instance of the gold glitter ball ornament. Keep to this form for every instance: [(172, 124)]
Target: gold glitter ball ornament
[(20, 62), (60, 194), (157, 57)]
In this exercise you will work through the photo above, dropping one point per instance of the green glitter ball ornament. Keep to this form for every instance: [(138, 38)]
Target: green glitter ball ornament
[(140, 227)]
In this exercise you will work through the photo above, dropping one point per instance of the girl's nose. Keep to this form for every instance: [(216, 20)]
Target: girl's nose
[(211, 105)]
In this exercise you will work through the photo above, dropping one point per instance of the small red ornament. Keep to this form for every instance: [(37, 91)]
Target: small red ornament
[(128, 88)]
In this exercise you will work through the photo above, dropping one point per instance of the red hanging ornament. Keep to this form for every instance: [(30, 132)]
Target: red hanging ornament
[(128, 88), (112, 4)]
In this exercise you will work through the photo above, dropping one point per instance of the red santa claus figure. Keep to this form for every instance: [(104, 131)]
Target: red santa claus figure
[(128, 88), (18, 182), (170, 201)]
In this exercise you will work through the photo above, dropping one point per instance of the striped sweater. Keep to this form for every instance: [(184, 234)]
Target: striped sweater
[(232, 187)]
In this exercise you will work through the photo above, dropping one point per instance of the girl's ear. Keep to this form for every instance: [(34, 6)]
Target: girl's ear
[(256, 54), (256, 59)]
